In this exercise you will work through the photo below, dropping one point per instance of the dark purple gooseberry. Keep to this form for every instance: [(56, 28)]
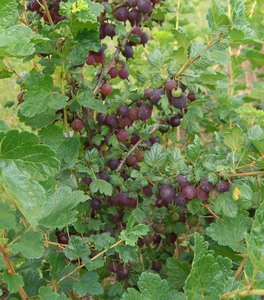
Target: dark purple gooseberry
[(113, 163), (222, 186), (96, 203), (147, 190), (110, 30), (123, 110), (122, 272), (189, 192), (154, 139), (155, 95), (180, 102), (206, 185), (134, 17), (182, 181), (128, 51), (144, 6), (181, 200), (144, 38), (121, 13)]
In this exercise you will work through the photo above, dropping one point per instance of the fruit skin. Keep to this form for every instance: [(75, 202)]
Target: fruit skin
[(189, 192), (106, 89), (77, 125)]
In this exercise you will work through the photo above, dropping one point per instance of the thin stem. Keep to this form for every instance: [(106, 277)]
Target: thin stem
[(10, 269), (177, 14), (92, 259), (246, 174), (240, 268), (135, 147), (209, 209), (47, 12), (243, 293), (190, 62)]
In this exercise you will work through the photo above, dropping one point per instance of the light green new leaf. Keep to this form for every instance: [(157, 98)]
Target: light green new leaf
[(58, 210), (88, 284), (233, 139), (45, 292), (156, 58), (153, 287), (15, 41), (230, 232), (156, 156), (102, 186), (30, 245), (181, 38), (216, 17), (13, 281), (255, 240), (8, 13)]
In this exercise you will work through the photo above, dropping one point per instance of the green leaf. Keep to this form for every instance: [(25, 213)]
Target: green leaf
[(58, 210), (127, 253), (77, 248), (255, 240), (181, 38), (200, 247), (36, 81), (45, 292), (156, 156), (36, 102), (153, 287), (226, 205), (216, 17), (193, 150), (255, 133), (59, 265), (230, 232), (33, 159), (8, 13), (102, 186), (86, 98), (88, 284), (30, 245), (156, 58), (13, 281), (131, 294), (178, 272), (233, 139), (210, 276), (220, 57), (7, 216), (15, 41)]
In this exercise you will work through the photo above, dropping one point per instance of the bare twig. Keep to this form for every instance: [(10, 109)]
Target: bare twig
[(135, 147)]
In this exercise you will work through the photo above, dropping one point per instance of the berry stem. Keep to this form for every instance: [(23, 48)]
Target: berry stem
[(10, 269), (134, 148)]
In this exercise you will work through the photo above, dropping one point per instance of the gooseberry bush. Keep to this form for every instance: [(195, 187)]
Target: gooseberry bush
[(135, 170)]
